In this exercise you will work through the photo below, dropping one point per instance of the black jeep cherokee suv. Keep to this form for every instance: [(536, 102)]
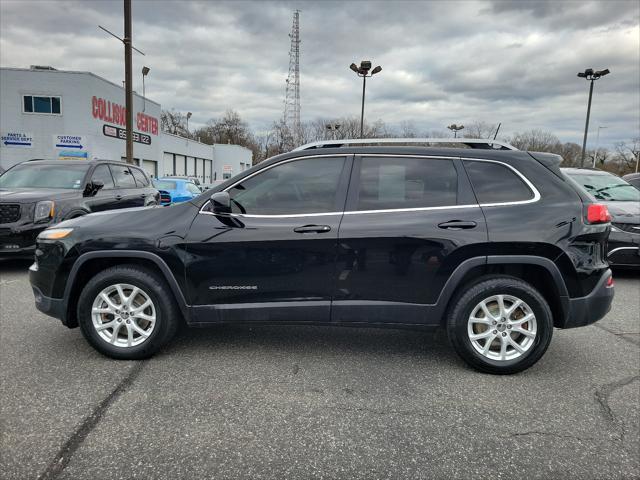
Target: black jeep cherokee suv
[(39, 193), (495, 246)]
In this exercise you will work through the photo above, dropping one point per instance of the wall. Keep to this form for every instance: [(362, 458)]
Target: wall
[(88, 103), (186, 157), (230, 159)]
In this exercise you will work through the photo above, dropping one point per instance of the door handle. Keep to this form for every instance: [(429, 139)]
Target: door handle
[(143, 196), (458, 225), (313, 229), (118, 197)]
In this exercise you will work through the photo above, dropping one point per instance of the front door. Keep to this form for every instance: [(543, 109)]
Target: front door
[(273, 257), (407, 224), (103, 199)]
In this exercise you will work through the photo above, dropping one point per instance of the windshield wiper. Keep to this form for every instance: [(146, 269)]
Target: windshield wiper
[(609, 187)]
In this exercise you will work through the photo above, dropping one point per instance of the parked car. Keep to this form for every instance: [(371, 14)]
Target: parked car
[(37, 194), (623, 202), (188, 178), (175, 190), (496, 246), (633, 179)]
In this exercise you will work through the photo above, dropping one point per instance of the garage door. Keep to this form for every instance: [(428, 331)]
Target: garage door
[(191, 166), (180, 165), (151, 167), (167, 164)]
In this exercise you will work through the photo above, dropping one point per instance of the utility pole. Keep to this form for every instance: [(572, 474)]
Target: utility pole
[(128, 78)]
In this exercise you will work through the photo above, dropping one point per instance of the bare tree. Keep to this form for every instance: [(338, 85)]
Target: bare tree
[(536, 140), (480, 129), (174, 122), (627, 154)]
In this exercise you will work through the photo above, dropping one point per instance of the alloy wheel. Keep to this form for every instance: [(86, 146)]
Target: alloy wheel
[(123, 315), (502, 327)]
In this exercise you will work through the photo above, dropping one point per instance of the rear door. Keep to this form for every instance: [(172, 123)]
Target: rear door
[(126, 191), (408, 223), (144, 192), (273, 257)]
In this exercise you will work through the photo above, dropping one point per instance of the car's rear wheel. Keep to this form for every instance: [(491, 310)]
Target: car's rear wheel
[(501, 325), (127, 312)]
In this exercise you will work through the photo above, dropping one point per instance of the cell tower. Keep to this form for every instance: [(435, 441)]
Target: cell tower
[(292, 95)]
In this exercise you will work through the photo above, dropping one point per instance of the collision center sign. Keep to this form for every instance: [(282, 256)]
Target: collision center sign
[(111, 112)]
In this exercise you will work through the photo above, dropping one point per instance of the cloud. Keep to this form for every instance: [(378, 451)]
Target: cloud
[(513, 62)]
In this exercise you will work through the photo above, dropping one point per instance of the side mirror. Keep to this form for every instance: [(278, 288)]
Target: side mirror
[(221, 202), (92, 188)]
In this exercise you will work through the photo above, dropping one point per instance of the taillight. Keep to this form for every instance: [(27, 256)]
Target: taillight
[(610, 282), (598, 213)]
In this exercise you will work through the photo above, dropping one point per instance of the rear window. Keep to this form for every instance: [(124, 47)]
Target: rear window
[(388, 183), (165, 185), (141, 178), (496, 183), (122, 176)]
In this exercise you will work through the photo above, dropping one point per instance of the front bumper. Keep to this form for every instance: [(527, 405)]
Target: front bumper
[(54, 307), (19, 241), (593, 307)]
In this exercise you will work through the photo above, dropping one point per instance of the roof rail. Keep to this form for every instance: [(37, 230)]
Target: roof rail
[(483, 143)]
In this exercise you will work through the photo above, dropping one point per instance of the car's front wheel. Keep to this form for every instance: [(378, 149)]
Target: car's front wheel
[(501, 325), (127, 312)]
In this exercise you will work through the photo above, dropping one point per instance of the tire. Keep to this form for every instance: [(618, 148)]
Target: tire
[(493, 348), (129, 343)]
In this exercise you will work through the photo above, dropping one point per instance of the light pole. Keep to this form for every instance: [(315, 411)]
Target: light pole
[(590, 75), (595, 155), (145, 72), (455, 129), (188, 117), (363, 71)]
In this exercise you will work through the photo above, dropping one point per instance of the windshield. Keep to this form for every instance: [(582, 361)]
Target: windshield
[(164, 185), (31, 175), (607, 187)]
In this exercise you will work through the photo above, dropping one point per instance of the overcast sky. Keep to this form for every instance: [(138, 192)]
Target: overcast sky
[(513, 62)]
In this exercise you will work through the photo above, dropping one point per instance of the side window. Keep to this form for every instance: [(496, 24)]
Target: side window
[(140, 177), (297, 187), (192, 188), (403, 182), (122, 176), (102, 174), (495, 183)]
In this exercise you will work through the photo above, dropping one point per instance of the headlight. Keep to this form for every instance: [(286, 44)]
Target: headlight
[(54, 233), (44, 211)]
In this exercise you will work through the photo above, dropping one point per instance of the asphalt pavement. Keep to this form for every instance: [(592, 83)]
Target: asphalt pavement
[(314, 402)]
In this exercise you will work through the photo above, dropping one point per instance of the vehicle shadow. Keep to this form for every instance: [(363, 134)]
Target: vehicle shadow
[(14, 265), (310, 340)]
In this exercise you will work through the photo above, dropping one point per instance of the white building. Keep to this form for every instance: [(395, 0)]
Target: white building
[(47, 113)]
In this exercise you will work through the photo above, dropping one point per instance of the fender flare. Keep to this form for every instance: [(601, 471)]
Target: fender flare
[(458, 274), (75, 214), (159, 262)]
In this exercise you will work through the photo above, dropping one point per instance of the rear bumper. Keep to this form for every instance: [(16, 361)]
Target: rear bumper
[(591, 308)]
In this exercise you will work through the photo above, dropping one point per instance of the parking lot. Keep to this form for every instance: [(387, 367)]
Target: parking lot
[(314, 402)]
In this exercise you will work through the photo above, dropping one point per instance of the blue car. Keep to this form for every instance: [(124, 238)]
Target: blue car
[(175, 190)]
